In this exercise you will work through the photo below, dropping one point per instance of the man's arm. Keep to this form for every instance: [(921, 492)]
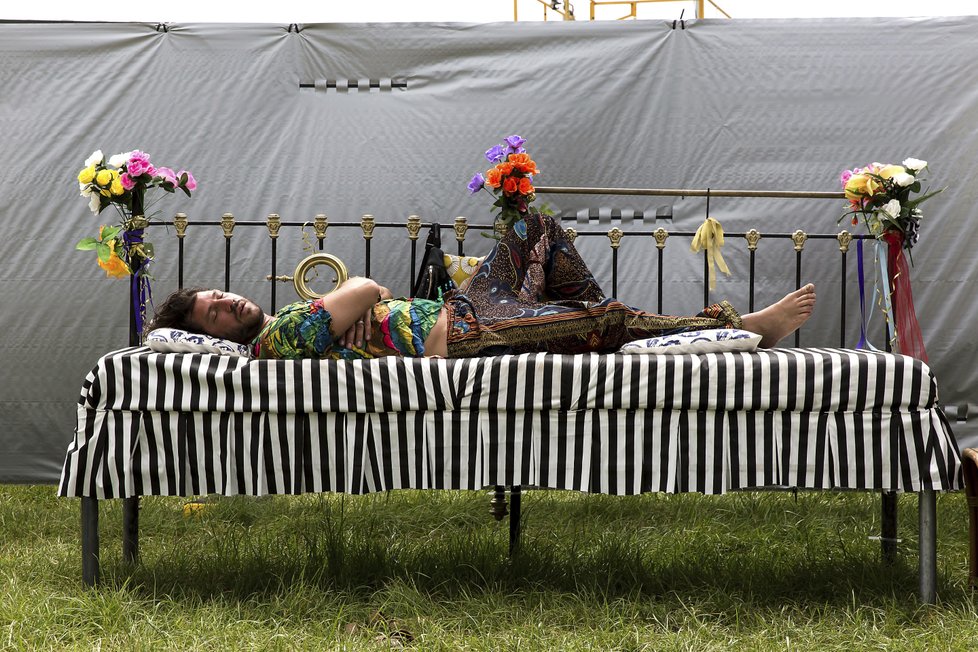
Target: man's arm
[(350, 302)]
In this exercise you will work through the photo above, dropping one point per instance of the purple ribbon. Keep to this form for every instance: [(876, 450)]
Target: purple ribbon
[(861, 344), (141, 294)]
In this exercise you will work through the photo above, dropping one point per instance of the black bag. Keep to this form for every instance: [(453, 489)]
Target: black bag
[(433, 279)]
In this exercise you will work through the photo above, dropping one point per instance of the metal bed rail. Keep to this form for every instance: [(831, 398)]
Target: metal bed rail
[(411, 229)]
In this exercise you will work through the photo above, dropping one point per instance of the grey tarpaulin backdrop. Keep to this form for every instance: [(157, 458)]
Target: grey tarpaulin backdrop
[(756, 104)]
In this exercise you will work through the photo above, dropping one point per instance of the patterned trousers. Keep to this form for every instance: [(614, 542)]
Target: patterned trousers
[(534, 293)]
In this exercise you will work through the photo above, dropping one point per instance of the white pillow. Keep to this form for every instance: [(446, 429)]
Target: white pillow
[(708, 341), (173, 340)]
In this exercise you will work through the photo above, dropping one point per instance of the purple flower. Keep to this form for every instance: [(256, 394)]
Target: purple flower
[(477, 183), (496, 154), (516, 142)]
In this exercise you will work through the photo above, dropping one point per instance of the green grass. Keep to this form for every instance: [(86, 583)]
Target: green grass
[(430, 571)]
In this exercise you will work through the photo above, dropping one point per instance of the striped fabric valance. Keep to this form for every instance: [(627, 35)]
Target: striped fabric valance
[(179, 424)]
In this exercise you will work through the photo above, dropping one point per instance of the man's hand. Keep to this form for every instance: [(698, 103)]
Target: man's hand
[(359, 332), (350, 306)]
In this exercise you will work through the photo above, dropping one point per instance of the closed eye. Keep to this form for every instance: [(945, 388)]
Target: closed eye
[(212, 311)]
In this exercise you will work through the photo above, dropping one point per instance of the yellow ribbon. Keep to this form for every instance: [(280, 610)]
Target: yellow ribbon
[(710, 237)]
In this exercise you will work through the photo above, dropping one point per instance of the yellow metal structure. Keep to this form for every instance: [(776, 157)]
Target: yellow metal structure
[(633, 6), (567, 11)]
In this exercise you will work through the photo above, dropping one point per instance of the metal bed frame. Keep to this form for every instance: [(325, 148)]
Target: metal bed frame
[(499, 507)]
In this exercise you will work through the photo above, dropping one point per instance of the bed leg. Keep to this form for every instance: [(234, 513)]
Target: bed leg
[(970, 460), (888, 528), (89, 540), (130, 529), (927, 515), (497, 506), (514, 521)]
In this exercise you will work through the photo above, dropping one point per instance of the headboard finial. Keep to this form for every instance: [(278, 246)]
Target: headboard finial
[(413, 227), (461, 226), (274, 223), (845, 239), (799, 237), (320, 224), (660, 236), (180, 224), (227, 224), (753, 237), (367, 224)]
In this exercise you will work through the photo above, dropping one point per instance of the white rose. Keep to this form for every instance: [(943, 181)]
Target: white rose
[(94, 159), (914, 164), (117, 160), (903, 179), (93, 203), (891, 208)]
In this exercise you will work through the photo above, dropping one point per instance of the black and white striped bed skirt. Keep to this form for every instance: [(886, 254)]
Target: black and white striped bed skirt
[(184, 424)]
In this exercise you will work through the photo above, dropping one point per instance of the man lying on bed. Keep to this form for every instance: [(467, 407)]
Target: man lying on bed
[(532, 293)]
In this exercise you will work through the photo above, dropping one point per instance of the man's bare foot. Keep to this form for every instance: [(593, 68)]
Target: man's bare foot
[(782, 318)]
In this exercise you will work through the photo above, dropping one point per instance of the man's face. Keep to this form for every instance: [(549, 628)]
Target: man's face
[(227, 315)]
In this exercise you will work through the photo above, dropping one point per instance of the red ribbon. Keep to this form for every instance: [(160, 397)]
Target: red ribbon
[(908, 330)]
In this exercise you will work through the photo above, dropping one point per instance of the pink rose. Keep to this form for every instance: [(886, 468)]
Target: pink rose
[(137, 168), (846, 174), (168, 175), (127, 181), (139, 165), (191, 182)]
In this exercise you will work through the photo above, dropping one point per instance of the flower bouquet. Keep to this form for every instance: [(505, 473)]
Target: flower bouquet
[(122, 182), (881, 195), (510, 180)]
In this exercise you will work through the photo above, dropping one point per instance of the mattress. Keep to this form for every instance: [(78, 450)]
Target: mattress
[(188, 424)]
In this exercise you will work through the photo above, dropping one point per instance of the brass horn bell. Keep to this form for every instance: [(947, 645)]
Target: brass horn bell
[(307, 264)]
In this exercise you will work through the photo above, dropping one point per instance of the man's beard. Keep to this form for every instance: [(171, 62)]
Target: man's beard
[(250, 322)]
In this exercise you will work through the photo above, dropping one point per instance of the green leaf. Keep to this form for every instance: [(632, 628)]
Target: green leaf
[(187, 192), (110, 232), (103, 251), (922, 198), (86, 244)]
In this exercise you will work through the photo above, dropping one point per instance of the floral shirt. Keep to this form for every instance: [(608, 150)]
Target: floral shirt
[(301, 330)]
